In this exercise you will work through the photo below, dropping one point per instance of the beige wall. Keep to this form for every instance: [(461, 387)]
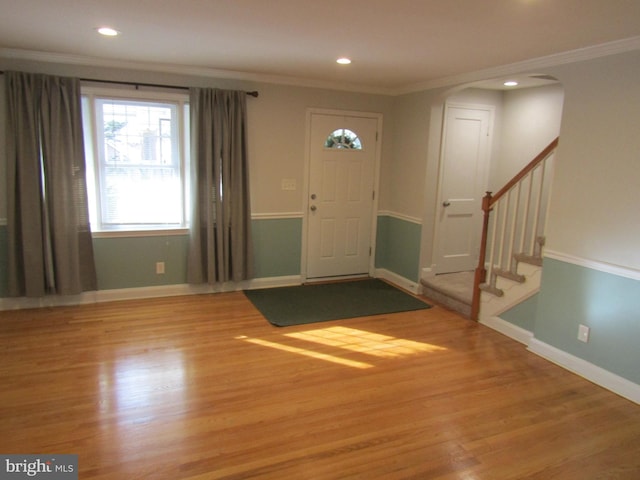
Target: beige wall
[(523, 120), (277, 126), (277, 139), (407, 175), (596, 193), (531, 119)]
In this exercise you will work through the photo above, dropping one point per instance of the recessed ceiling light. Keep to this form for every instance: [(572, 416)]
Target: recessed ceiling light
[(343, 61), (510, 83), (108, 31)]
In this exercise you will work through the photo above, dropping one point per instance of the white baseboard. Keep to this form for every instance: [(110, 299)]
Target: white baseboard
[(175, 290), (270, 282), (619, 385), (428, 272), (145, 292), (615, 383), (413, 287), (509, 329)]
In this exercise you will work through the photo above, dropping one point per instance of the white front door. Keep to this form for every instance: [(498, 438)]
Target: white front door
[(464, 168), (341, 195)]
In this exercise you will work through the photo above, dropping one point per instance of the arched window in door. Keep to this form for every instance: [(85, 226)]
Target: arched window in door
[(343, 138)]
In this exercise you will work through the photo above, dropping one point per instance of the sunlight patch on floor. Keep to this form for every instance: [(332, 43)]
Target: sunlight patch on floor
[(306, 353), (352, 340), (362, 341)]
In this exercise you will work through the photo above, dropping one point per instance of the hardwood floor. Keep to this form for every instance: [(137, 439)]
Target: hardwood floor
[(202, 387)]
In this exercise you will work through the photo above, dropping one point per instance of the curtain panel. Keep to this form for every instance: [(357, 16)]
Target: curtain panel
[(220, 243), (49, 245)]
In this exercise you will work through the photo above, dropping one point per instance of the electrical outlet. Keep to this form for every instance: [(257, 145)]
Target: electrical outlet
[(159, 268), (583, 333)]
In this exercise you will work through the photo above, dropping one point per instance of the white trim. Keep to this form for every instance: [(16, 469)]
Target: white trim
[(336, 279), (68, 59), (512, 331), (562, 58), (591, 372), (131, 92), (270, 282), (605, 267), (276, 216), (398, 280), (617, 384), (180, 232), (580, 54), (112, 295), (400, 216)]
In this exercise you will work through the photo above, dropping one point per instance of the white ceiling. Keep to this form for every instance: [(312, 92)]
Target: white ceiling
[(394, 44)]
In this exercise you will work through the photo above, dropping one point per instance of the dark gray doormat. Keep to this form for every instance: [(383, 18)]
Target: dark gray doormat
[(286, 306)]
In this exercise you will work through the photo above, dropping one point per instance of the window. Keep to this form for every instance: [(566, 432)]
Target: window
[(343, 138), (136, 149)]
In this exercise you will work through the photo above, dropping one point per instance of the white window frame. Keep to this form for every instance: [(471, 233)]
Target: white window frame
[(181, 100)]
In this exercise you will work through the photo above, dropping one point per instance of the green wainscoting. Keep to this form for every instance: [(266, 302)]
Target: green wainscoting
[(398, 246), (277, 246), (608, 304), (130, 262), (523, 315)]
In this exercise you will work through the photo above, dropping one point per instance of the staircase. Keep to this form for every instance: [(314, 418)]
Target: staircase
[(507, 289), (510, 261), (452, 290)]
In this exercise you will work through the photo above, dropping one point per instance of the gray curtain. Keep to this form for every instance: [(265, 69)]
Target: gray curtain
[(220, 243), (49, 244)]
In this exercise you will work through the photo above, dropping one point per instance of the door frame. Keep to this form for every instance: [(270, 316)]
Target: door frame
[(437, 224), (305, 190)]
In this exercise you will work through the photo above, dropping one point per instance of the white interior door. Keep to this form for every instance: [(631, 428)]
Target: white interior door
[(341, 195), (464, 167)]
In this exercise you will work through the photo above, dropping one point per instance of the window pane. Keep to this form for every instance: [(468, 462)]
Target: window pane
[(140, 172), (143, 196), (343, 138)]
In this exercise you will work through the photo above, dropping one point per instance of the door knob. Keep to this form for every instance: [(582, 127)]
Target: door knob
[(313, 208), (446, 203)]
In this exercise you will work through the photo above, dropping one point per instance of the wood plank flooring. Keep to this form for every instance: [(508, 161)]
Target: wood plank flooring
[(202, 387)]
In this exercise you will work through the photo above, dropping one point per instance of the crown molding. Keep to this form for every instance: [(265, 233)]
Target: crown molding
[(533, 64), (188, 70)]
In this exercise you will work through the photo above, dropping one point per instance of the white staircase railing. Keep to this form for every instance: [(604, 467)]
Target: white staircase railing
[(513, 227)]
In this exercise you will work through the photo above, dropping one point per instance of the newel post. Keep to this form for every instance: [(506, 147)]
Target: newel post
[(481, 272)]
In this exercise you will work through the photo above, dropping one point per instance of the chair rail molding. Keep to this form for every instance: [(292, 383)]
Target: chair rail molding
[(619, 270)]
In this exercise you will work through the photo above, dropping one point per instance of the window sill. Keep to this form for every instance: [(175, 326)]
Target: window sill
[(140, 233)]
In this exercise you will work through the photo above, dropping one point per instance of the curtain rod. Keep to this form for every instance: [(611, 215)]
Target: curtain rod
[(253, 93)]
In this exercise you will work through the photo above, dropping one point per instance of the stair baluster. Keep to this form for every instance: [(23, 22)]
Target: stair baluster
[(529, 249)]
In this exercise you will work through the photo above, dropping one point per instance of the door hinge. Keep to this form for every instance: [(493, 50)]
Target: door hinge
[(373, 195), (370, 250), (376, 136)]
